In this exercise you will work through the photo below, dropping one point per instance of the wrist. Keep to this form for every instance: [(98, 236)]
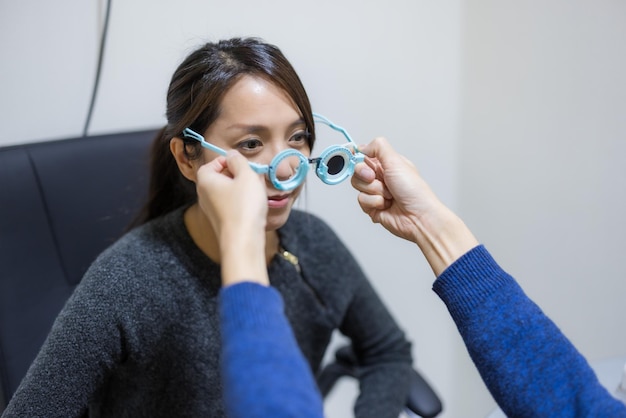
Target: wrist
[(243, 257), (443, 238)]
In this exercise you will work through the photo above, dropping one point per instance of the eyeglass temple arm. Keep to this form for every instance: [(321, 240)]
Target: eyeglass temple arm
[(259, 168), (194, 135), (325, 121)]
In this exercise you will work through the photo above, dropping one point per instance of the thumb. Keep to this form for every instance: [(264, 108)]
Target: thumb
[(236, 163), (378, 148)]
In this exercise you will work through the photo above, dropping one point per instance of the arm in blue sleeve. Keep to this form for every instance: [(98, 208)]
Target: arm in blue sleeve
[(529, 366), (263, 371)]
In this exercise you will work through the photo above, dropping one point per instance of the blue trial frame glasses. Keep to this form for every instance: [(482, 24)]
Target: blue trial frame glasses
[(334, 165)]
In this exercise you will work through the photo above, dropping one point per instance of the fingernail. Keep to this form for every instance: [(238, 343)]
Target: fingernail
[(366, 172)]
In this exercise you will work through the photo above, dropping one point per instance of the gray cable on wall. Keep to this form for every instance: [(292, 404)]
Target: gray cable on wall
[(98, 68)]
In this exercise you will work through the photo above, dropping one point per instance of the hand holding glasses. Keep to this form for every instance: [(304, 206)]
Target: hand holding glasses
[(334, 165)]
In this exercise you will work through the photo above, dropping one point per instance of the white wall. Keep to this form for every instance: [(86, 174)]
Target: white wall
[(542, 156), (511, 110)]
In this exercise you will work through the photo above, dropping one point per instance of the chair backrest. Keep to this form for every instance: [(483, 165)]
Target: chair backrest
[(62, 202)]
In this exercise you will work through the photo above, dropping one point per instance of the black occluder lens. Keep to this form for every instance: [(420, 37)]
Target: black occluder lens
[(335, 164)]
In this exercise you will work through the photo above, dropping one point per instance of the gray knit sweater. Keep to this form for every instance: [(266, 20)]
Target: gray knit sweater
[(139, 337)]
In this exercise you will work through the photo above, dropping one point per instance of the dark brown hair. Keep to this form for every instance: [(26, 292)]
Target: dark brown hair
[(193, 101)]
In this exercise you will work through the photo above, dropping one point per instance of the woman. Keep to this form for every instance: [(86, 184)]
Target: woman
[(140, 335)]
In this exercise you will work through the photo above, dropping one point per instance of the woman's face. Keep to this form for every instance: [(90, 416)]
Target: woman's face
[(259, 120)]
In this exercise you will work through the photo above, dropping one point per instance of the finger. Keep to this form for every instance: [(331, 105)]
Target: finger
[(377, 148), (370, 202), (367, 186), (364, 173), (237, 163), (217, 165), (370, 168), (375, 187), (214, 171), (240, 166)]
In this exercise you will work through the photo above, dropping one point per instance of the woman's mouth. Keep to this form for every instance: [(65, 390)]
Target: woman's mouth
[(278, 201)]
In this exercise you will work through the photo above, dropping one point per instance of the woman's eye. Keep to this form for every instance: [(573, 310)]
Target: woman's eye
[(249, 144), (300, 138)]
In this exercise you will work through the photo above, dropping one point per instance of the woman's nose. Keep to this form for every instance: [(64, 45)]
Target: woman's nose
[(287, 168)]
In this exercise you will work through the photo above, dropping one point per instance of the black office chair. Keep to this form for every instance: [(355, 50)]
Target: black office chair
[(422, 400), (62, 203)]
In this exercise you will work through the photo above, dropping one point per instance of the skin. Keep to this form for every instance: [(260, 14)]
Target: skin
[(258, 120), (394, 194)]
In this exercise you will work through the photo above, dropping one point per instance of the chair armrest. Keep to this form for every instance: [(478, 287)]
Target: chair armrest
[(422, 399)]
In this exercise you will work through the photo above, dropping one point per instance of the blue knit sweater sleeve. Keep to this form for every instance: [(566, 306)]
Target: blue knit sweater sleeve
[(263, 371), (529, 366)]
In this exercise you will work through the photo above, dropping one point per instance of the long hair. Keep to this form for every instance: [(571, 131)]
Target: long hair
[(193, 101)]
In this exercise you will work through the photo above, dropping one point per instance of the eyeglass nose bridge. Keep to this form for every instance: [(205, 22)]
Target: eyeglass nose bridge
[(333, 166)]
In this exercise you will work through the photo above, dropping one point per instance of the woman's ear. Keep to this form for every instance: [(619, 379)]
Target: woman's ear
[(185, 165)]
